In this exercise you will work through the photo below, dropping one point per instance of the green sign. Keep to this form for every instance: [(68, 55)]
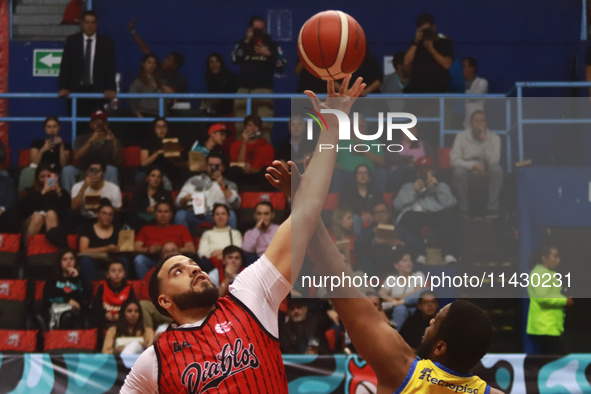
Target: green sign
[(46, 62)]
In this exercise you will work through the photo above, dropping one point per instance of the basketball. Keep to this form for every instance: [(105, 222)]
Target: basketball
[(331, 45)]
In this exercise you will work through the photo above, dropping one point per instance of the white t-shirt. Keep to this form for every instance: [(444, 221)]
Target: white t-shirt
[(260, 287), (109, 191)]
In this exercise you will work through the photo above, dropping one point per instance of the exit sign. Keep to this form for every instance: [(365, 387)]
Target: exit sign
[(46, 62)]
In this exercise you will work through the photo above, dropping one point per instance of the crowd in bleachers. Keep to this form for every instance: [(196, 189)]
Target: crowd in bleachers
[(88, 222)]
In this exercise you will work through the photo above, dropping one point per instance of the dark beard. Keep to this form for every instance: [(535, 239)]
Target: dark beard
[(425, 349), (192, 299)]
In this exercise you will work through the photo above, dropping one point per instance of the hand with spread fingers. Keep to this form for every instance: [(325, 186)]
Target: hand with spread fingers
[(343, 100)]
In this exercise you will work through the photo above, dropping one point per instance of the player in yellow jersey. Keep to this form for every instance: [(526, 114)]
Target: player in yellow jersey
[(456, 339)]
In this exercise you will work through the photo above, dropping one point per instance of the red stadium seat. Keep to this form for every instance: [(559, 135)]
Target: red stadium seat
[(174, 194), (64, 341), (443, 157), (332, 202), (13, 294), (389, 199), (131, 156), (9, 251), (42, 256), (24, 158), (18, 340)]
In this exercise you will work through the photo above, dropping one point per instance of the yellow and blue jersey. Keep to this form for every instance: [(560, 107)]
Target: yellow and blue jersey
[(426, 376)]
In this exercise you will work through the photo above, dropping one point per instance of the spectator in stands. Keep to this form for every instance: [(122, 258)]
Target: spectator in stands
[(476, 154), (215, 240), (68, 295), (413, 329), (101, 145), (144, 200), (216, 135), (169, 72), (88, 65), (174, 169), (148, 243), (401, 291), (153, 318), (129, 335), (402, 166), (94, 185), (8, 212), (232, 264), (257, 239), (545, 318), (218, 79), (371, 71), (428, 59), (99, 242), (259, 57), (51, 150), (361, 196), (213, 188), (342, 233), (110, 295), (395, 83), (474, 85), (44, 204), (428, 202), (148, 81), (298, 147), (253, 153), (302, 332)]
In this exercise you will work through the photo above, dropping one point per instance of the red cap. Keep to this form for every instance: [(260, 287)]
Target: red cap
[(214, 128), (98, 115), (424, 161)]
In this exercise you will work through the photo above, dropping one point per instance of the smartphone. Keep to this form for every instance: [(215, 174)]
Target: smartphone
[(51, 180)]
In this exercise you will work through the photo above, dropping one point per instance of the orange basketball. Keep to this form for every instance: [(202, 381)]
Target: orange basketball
[(331, 45)]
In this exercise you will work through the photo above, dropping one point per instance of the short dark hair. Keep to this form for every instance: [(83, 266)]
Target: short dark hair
[(399, 253), (471, 61), (265, 203), (179, 59), (255, 18), (425, 18), (467, 332), (89, 12), (477, 112), (254, 119), (104, 202), (155, 283), (164, 201), (543, 251), (116, 261), (233, 249), (398, 59), (158, 119), (217, 205), (50, 118), (99, 162), (428, 293)]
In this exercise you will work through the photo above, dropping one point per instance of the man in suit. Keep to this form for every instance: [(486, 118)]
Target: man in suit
[(88, 65)]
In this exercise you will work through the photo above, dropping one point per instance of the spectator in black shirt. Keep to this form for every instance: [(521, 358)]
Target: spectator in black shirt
[(302, 332), (51, 150), (361, 197), (259, 57), (414, 327), (98, 241), (44, 203), (428, 59), (174, 170), (144, 200), (218, 79)]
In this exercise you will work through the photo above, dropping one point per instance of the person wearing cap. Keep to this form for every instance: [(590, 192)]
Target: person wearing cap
[(216, 135), (476, 154), (174, 169), (214, 188), (428, 202), (100, 145)]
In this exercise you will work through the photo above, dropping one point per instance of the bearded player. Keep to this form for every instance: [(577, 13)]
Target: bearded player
[(230, 344), (456, 339)]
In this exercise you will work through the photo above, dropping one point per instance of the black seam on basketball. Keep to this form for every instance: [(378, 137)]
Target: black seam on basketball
[(320, 47)]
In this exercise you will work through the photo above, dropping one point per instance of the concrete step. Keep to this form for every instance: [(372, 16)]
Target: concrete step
[(33, 19), (49, 32), (40, 9), (44, 2)]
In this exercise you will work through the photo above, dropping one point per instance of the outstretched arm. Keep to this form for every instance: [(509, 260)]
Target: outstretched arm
[(287, 250), (138, 40)]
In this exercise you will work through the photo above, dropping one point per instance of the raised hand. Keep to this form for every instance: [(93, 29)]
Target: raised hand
[(343, 100)]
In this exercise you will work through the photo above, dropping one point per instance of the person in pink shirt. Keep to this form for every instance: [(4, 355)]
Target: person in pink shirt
[(257, 239)]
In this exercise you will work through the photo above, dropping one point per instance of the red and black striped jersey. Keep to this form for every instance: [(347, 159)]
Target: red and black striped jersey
[(230, 352)]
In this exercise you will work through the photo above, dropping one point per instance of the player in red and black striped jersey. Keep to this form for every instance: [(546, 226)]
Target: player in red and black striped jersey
[(229, 344)]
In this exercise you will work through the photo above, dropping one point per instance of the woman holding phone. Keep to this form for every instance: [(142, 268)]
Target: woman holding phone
[(44, 204), (50, 150)]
